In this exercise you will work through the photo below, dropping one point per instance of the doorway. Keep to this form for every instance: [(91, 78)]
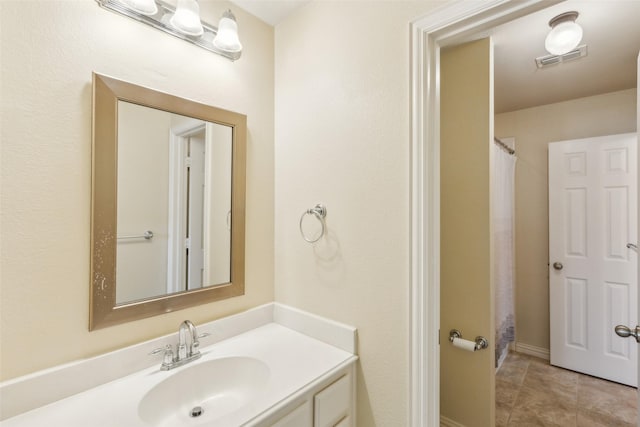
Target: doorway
[(186, 207), (199, 188), (452, 24)]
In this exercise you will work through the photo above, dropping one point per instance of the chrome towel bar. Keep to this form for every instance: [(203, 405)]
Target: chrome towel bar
[(148, 235)]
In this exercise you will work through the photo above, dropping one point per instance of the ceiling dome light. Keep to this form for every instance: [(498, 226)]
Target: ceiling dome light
[(565, 34), (227, 37), (187, 18)]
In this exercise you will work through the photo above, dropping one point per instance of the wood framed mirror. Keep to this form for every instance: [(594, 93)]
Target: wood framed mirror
[(167, 203)]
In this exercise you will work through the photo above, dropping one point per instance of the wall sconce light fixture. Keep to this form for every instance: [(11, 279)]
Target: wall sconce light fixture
[(565, 34), (183, 22)]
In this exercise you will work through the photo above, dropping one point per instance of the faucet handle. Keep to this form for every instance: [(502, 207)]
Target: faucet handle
[(195, 346), (167, 358), (156, 351)]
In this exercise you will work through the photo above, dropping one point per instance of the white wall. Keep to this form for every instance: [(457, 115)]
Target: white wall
[(343, 139), (217, 240), (143, 201), (533, 129), (49, 49)]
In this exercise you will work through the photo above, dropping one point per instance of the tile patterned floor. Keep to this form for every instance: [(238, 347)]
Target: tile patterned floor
[(530, 392)]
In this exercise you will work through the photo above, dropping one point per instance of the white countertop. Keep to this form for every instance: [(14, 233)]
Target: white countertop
[(294, 361), (298, 348)]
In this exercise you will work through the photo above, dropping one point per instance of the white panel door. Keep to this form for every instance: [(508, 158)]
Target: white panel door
[(592, 273)]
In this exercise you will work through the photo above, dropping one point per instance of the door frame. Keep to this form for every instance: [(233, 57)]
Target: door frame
[(176, 263), (455, 22)]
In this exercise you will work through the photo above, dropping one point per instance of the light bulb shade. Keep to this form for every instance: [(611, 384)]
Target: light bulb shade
[(144, 7), (186, 19), (563, 37), (227, 37)]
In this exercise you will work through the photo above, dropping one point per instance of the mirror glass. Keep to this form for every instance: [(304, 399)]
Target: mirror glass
[(167, 203), (174, 203)]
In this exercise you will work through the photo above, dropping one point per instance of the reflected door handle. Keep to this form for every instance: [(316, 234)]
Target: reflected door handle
[(624, 332), (558, 265), (632, 246)]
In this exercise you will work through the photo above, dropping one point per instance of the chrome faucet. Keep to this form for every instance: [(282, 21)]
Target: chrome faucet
[(184, 353)]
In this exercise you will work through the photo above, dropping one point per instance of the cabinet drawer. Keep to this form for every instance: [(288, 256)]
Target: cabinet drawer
[(299, 417), (332, 405)]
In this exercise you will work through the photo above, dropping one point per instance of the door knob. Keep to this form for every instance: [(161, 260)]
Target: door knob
[(558, 265), (624, 332)]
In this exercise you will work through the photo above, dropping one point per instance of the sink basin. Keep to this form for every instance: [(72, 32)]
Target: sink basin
[(204, 392)]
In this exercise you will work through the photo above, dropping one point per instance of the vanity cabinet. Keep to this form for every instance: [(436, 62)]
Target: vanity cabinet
[(331, 403), (332, 406), (302, 416)]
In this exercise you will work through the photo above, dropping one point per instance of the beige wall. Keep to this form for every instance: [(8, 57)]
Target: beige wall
[(342, 138), (49, 49), (533, 129), (466, 293)]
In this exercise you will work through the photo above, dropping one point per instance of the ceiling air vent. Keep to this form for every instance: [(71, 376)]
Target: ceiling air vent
[(548, 60)]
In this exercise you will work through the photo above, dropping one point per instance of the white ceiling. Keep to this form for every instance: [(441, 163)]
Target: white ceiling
[(611, 33), (270, 11)]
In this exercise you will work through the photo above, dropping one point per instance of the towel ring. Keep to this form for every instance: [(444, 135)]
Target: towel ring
[(320, 212)]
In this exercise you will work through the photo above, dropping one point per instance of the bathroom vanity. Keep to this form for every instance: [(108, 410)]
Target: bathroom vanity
[(269, 366)]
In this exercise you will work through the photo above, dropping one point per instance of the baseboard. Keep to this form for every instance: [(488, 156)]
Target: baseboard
[(532, 350), (448, 422)]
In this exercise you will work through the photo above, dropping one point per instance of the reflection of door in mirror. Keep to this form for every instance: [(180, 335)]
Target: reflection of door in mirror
[(174, 179)]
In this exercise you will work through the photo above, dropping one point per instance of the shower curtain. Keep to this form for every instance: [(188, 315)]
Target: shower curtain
[(503, 248)]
